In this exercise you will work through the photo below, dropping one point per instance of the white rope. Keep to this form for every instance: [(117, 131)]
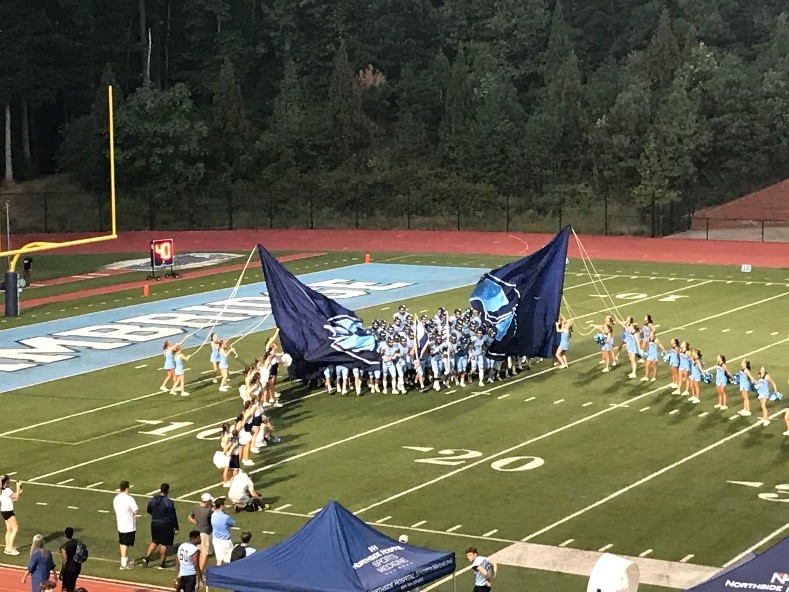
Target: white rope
[(224, 308), (595, 277), (245, 334)]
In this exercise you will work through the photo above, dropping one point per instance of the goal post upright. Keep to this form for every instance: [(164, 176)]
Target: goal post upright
[(34, 247)]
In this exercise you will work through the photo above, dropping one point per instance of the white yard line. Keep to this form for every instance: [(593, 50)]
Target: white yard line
[(769, 537)]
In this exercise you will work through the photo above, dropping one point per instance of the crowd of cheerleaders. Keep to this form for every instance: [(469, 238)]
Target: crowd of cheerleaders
[(688, 371), (456, 353)]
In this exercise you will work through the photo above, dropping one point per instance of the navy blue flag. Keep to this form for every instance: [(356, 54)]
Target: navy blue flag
[(314, 329), (522, 300)]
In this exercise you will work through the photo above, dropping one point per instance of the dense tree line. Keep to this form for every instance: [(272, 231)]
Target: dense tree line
[(386, 105)]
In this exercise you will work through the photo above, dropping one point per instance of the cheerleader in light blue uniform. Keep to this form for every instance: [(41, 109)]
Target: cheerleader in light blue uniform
[(763, 384), (214, 358), (179, 357), (683, 372), (607, 347), (722, 377), (225, 349), (169, 365), (746, 382), (647, 330), (673, 362), (651, 362), (623, 339), (694, 379), (631, 343), (564, 328)]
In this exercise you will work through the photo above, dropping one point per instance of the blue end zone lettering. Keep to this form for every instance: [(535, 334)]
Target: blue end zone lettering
[(59, 349)]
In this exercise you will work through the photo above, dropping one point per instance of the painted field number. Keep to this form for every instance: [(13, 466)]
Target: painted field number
[(165, 429), (781, 496), (457, 456)]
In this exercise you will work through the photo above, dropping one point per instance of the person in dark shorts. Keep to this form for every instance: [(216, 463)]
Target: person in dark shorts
[(69, 569), (126, 516), (164, 523), (188, 563)]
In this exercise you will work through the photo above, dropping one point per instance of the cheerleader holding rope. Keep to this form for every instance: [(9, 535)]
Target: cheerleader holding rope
[(606, 342), (168, 351)]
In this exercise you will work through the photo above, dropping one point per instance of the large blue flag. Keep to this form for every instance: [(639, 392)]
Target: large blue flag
[(314, 329), (522, 300)]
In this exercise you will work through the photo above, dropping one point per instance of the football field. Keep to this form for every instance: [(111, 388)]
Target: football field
[(570, 458)]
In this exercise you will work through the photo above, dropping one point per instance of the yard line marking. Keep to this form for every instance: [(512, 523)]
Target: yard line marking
[(559, 401), (587, 404), (673, 411), (687, 558), (774, 333), (565, 543), (207, 371), (419, 448), (421, 522), (384, 519), (733, 417), (643, 409), (557, 431), (491, 532), (149, 493), (770, 536), (747, 483), (95, 484), (66, 481), (452, 391), (503, 396), (141, 366), (385, 308), (749, 332), (702, 328), (314, 512), (645, 553), (454, 528), (605, 548), (11, 474), (104, 511), (648, 478), (268, 532), (725, 330), (41, 503), (73, 507), (282, 507), (703, 413), (530, 399)]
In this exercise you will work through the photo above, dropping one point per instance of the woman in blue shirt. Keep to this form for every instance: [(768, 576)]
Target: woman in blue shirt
[(673, 362), (721, 380), (746, 381), (696, 370), (685, 364), (631, 343), (564, 328), (40, 565), (651, 362), (763, 384)]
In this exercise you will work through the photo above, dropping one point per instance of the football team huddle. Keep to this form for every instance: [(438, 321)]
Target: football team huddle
[(445, 350)]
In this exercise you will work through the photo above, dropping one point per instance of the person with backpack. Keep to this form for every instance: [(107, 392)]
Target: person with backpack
[(73, 553), (242, 550)]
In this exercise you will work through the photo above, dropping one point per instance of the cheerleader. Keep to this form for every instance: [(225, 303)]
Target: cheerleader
[(169, 365), (623, 339), (763, 384), (608, 344), (746, 381), (231, 450), (694, 378), (647, 330), (673, 362), (270, 395), (245, 437), (224, 352), (722, 377), (631, 343), (786, 419), (683, 371), (565, 329), (179, 357), (651, 362), (608, 322), (214, 359)]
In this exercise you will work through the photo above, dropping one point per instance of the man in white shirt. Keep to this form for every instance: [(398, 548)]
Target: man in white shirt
[(188, 563), (126, 516), (242, 492), (484, 570)]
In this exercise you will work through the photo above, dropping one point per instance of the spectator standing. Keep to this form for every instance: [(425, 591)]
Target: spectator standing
[(164, 524), (242, 493), (7, 498), (40, 565), (220, 525), (187, 561), (201, 517), (242, 550), (126, 516), (484, 570), (69, 569)]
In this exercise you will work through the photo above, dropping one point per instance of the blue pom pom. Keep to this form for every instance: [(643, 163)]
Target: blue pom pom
[(707, 377), (734, 378), (641, 354), (666, 356), (776, 396), (599, 338)]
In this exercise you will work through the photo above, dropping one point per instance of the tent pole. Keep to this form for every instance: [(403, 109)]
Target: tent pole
[(454, 581)]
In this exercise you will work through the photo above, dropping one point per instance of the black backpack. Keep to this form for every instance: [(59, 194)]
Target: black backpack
[(80, 552), (238, 552)]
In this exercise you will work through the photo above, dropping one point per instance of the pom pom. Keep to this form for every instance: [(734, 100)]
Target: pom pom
[(666, 356), (599, 339), (776, 396), (707, 377), (641, 354)]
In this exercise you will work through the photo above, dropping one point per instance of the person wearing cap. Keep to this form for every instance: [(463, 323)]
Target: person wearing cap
[(201, 518)]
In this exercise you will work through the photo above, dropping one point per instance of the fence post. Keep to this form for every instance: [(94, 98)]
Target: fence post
[(312, 220), (271, 210), (707, 225), (508, 213), (46, 213), (763, 221), (356, 217), (458, 213), (560, 219), (605, 214)]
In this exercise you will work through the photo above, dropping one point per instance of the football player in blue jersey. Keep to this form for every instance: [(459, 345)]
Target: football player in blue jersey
[(328, 375), (436, 349), (389, 354), (477, 348), (401, 314)]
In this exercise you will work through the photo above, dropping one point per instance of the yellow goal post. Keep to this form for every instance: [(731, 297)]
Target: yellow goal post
[(34, 247)]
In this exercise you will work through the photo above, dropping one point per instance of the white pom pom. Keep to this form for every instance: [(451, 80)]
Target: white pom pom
[(286, 360)]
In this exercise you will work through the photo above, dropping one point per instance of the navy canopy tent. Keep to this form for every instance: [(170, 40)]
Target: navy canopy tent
[(334, 552), (766, 571)]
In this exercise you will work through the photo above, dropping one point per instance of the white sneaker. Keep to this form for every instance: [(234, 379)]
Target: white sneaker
[(266, 404), (764, 422), (330, 390), (184, 394), (743, 412), (173, 392), (723, 407), (224, 389), (786, 433), (481, 383), (685, 393), (436, 386), (695, 400), (12, 551), (344, 391), (226, 484), (673, 385), (631, 375), (278, 404), (716, 406), (386, 391), (644, 379), (653, 379), (601, 362), (676, 392), (214, 380), (462, 382), (606, 369), (247, 463), (255, 449), (163, 388), (276, 395)]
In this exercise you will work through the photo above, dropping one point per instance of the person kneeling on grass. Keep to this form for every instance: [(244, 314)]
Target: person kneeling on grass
[(243, 495)]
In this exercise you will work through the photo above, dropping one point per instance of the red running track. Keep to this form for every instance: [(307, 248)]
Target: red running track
[(623, 248), (11, 581)]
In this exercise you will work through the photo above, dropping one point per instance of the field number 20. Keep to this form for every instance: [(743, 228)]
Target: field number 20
[(458, 456)]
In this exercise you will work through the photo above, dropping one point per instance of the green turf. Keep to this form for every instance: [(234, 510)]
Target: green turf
[(606, 461)]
